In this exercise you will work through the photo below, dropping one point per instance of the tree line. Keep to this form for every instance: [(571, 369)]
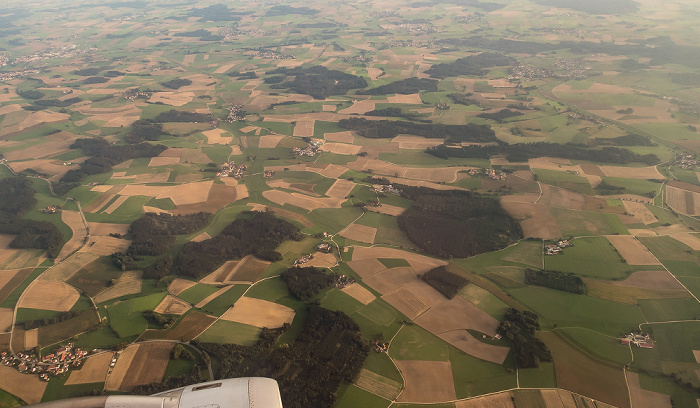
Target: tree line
[(403, 86), (318, 81), (153, 234), (382, 129), (471, 65), (306, 282), (558, 280), (444, 281), (519, 328)]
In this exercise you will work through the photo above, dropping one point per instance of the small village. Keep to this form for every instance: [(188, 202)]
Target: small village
[(387, 189), (639, 339), (58, 362), (380, 346), (134, 94), (51, 209), (231, 169), (555, 249), (324, 247), (310, 150), (235, 114), (490, 173), (686, 161), (344, 281)]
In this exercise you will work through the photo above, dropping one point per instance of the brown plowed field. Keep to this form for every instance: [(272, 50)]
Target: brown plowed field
[(387, 209), (148, 365), (642, 173), (10, 279), (468, 344), (292, 216), (632, 250), (31, 339), (5, 319), (129, 283), (341, 148), (390, 279), (359, 232), (535, 219), (259, 313), (249, 269), (340, 189), (340, 137), (50, 295), (382, 252), (500, 400), (378, 385), (642, 398), (457, 313), (558, 197), (333, 171), (683, 201), (592, 170), (106, 245), (640, 212), (691, 240), (406, 302), (191, 326), (651, 280), (26, 386), (94, 370), (366, 267), (323, 260), (173, 306), (427, 381), (97, 228), (178, 286), (270, 141)]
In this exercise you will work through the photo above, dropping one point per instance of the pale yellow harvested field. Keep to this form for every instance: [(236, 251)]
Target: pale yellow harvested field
[(53, 168), (438, 174), (36, 118), (632, 250), (360, 293), (48, 148), (341, 148), (304, 127), (359, 107), (5, 319), (340, 137), (683, 201), (75, 221), (270, 141), (553, 163), (333, 171), (387, 209), (189, 193), (415, 260), (189, 58), (559, 197), (500, 400), (406, 302), (426, 381), (172, 306), (378, 385), (468, 344), (201, 237), (359, 232), (642, 398), (25, 386), (322, 260), (93, 370), (172, 152), (535, 219), (222, 69), (213, 296), (172, 98), (259, 313), (409, 99), (147, 366), (340, 189), (457, 313), (631, 197), (163, 161), (329, 108), (106, 245), (113, 206), (366, 267), (643, 173), (178, 286), (98, 228), (696, 354), (114, 380), (692, 240), (49, 295), (161, 177), (640, 212), (241, 192), (659, 280), (129, 283), (301, 200), (642, 232), (67, 268), (416, 142), (216, 136), (552, 399)]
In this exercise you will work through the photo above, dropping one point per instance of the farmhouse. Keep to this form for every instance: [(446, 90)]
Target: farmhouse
[(642, 340)]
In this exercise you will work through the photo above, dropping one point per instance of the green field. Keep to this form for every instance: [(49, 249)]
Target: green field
[(231, 332), (223, 302), (416, 343), (593, 257), (126, 318), (587, 223), (336, 299), (197, 293)]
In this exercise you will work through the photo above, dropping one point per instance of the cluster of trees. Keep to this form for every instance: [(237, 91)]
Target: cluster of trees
[(125, 262), (142, 130), (463, 99), (16, 198), (170, 383), (179, 352), (319, 82), (33, 324), (159, 269), (404, 86), (306, 282), (519, 328), (159, 319), (521, 152), (444, 281), (95, 80), (377, 180), (626, 140), (558, 280), (174, 115), (243, 75), (382, 129), (471, 65), (257, 233), (178, 83), (87, 72), (104, 156), (282, 10), (456, 223), (153, 234), (57, 102), (215, 12), (501, 115), (329, 350)]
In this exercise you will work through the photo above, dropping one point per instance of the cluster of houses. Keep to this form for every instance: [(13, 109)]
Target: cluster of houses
[(269, 174), (380, 346), (236, 114), (134, 94), (231, 169), (58, 362), (3, 160), (491, 173), (304, 259), (272, 55), (309, 150), (472, 18), (686, 161), (387, 189), (52, 209), (384, 14), (324, 247), (554, 249), (639, 339), (594, 119), (5, 76), (442, 106), (4, 59), (344, 281), (65, 51)]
